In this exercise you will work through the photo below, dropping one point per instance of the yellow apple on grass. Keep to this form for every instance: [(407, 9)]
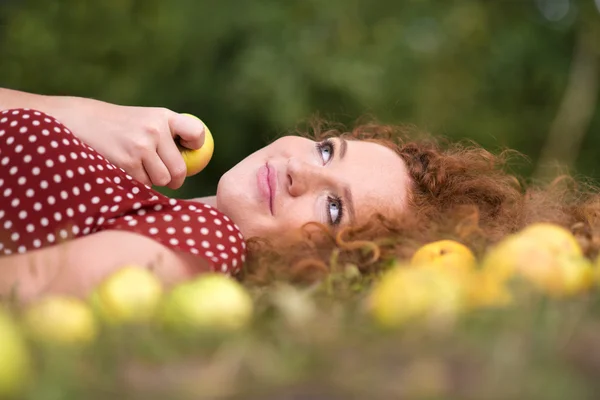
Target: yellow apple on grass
[(130, 295), (447, 254), (405, 293), (197, 159), (60, 320), (210, 302), (15, 359), (544, 255)]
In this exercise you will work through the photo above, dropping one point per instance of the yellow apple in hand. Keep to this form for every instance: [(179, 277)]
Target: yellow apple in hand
[(15, 361), (197, 159), (130, 295), (60, 319)]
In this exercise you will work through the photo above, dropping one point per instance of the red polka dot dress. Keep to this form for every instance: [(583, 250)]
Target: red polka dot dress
[(54, 187)]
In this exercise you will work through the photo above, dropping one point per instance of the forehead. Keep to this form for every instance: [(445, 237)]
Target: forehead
[(377, 177)]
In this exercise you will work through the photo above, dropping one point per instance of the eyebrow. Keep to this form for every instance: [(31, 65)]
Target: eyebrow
[(347, 191)]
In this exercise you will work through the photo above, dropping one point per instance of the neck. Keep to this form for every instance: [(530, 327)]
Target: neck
[(210, 200)]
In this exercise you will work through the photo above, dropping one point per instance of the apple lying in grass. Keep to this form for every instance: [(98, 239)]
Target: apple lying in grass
[(210, 302), (448, 254), (15, 361), (60, 319), (130, 295), (197, 159)]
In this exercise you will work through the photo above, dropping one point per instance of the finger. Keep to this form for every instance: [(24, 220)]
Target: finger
[(173, 161), (140, 175), (157, 171), (188, 129)]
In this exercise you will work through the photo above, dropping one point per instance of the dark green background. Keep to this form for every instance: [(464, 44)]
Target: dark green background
[(493, 71)]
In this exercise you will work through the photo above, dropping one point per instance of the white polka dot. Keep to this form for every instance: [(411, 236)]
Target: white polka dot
[(109, 190), (70, 212), (37, 206), (217, 221), (185, 217), (87, 187), (14, 236), (54, 144), (75, 229), (81, 208), (35, 122), (45, 132), (177, 208), (89, 220), (150, 219), (23, 129), (57, 178), (15, 202), (201, 219), (50, 238), (32, 138), (10, 140), (64, 195), (137, 205), (232, 239), (129, 196), (62, 158), (44, 221), (133, 222), (95, 200), (13, 124), (174, 241), (234, 262), (35, 170), (220, 247), (22, 214), (117, 199), (194, 251), (37, 243), (205, 244), (135, 190), (18, 148), (41, 149), (204, 231), (213, 212), (13, 170), (219, 234), (5, 161), (224, 256), (76, 191), (114, 208), (57, 216), (63, 233), (73, 156), (49, 163), (7, 192), (117, 180), (153, 231), (168, 217), (171, 230), (234, 250), (192, 207), (209, 254), (65, 142), (44, 184), (141, 212), (187, 230), (224, 267), (157, 207), (51, 200), (191, 242), (2, 214), (7, 224), (69, 173), (91, 168), (56, 129)]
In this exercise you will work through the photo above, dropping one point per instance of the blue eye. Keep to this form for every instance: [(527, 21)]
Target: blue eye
[(335, 209), (327, 150)]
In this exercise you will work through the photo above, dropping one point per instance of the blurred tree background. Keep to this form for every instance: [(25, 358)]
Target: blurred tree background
[(505, 73)]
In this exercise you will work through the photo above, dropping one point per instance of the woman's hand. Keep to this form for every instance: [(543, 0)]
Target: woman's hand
[(141, 140)]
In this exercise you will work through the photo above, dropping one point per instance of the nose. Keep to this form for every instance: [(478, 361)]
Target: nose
[(303, 177)]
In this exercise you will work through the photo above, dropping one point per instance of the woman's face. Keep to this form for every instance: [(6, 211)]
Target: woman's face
[(294, 180)]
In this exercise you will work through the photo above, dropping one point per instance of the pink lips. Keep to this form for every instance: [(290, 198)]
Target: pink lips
[(266, 180)]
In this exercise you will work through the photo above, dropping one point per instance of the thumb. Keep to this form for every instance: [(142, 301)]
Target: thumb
[(187, 130)]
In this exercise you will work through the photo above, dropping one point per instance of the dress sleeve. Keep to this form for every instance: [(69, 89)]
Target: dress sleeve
[(54, 187)]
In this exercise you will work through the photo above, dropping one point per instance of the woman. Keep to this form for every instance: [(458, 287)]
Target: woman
[(369, 183)]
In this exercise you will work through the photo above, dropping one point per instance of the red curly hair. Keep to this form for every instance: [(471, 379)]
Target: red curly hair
[(459, 191)]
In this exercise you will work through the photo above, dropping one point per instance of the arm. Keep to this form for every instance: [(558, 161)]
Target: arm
[(77, 266), (138, 139)]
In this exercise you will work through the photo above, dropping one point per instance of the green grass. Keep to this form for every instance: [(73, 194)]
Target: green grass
[(320, 344)]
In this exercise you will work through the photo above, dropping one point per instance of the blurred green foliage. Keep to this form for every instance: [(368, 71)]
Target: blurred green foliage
[(492, 71)]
